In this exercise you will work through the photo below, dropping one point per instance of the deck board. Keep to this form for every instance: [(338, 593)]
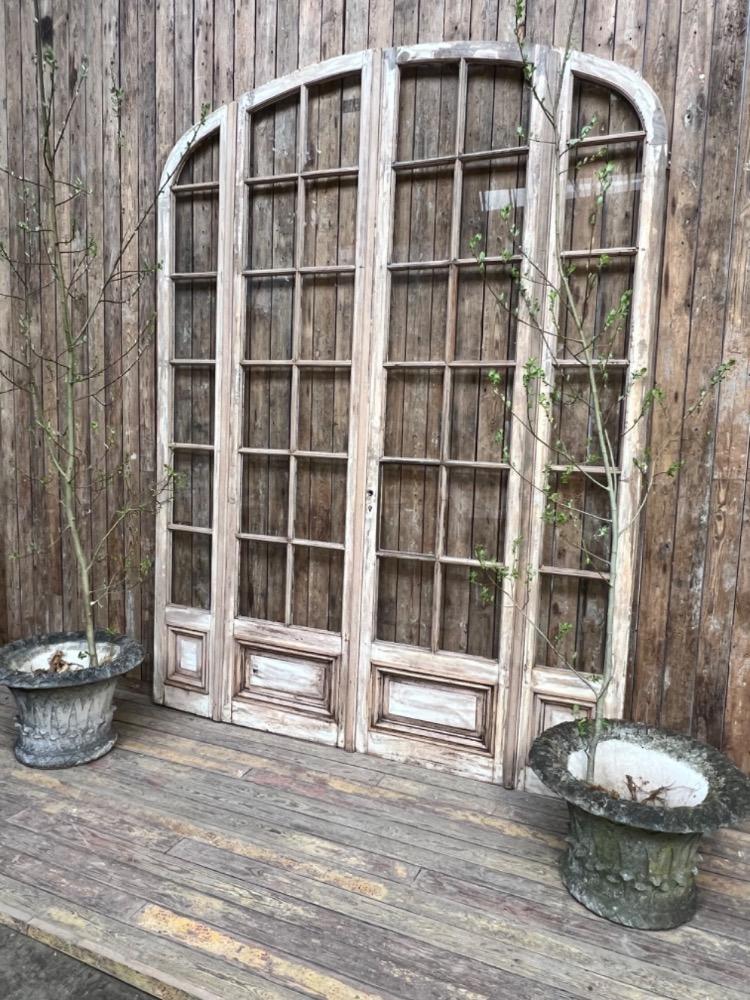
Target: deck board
[(200, 860)]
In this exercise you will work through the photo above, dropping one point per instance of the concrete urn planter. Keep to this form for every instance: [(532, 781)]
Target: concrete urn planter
[(64, 705), (634, 834)]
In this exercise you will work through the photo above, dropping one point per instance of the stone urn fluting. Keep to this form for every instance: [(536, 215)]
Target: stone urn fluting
[(634, 833), (64, 704)]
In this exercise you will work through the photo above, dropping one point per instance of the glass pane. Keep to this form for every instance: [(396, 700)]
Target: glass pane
[(492, 205), (193, 405), (408, 508), (318, 588), (273, 139), (273, 216), (196, 232), (476, 513), (574, 415), (485, 321), (470, 625), (480, 418), (191, 570), (413, 413), (327, 317), (323, 411), (497, 108), (602, 196), (203, 163), (419, 305), (262, 580), (422, 214), (268, 397), (265, 495), (270, 307), (580, 607), (405, 601), (427, 103), (333, 124), (194, 320), (192, 501), (602, 110), (330, 222), (601, 294), (321, 500), (576, 529)]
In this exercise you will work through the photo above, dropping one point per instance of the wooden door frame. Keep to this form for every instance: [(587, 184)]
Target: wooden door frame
[(522, 687)]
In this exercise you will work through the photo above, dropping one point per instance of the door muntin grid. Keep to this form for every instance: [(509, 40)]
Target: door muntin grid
[(301, 189), (443, 480), (192, 368)]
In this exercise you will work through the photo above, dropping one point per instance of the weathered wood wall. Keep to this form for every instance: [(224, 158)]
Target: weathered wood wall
[(691, 667)]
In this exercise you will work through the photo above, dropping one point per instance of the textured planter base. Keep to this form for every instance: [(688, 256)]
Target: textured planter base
[(634, 834), (65, 716), (65, 726), (638, 878)]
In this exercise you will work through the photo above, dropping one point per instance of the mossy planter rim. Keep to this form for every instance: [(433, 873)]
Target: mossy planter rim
[(727, 799), (128, 656)]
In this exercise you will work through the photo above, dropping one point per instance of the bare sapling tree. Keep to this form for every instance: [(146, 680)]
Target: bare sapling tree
[(57, 239), (575, 411)]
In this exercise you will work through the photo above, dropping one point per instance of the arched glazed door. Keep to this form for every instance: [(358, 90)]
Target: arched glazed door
[(326, 346)]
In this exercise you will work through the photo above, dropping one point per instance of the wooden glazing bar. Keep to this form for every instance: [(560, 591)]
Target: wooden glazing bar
[(397, 460), (194, 186), (603, 362), (268, 179), (494, 154), (323, 455), (449, 159), (410, 556), (190, 529), (608, 140), (456, 463), (287, 272), (193, 362), (599, 252), (582, 574), (287, 363), (450, 349), (186, 446), (410, 265), (269, 272), (308, 175), (193, 276), (250, 536), (313, 543), (591, 470)]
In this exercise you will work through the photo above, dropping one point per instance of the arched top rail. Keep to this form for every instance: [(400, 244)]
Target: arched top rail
[(624, 81)]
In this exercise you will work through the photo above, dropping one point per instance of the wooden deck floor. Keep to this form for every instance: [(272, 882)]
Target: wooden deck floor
[(204, 861)]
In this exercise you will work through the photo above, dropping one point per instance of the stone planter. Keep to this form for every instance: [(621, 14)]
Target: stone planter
[(635, 862), (65, 718)]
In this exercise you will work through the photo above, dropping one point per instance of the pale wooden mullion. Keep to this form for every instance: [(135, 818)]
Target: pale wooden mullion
[(517, 638), (299, 250), (449, 356)]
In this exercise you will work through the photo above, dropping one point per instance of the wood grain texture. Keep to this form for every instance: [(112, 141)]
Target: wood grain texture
[(201, 862), (690, 660)]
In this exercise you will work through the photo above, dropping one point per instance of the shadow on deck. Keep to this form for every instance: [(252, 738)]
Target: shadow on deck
[(199, 860)]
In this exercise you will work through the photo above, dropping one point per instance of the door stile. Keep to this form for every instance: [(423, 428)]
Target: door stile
[(233, 384), (351, 690), (223, 408), (191, 621), (553, 162), (384, 189)]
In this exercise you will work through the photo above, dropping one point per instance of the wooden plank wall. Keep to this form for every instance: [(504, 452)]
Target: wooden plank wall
[(691, 667)]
